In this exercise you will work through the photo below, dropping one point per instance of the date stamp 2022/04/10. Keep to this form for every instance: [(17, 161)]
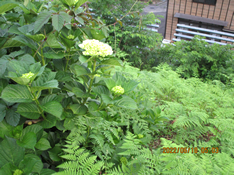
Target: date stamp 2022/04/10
[(188, 150)]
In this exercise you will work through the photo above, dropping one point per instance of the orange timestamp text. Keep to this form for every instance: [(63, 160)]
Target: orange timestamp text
[(188, 150)]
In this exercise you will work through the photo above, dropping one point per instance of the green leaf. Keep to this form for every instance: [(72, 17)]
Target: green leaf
[(110, 83), (12, 43), (10, 152), (35, 128), (6, 6), (3, 65), (31, 164), (78, 109), (69, 123), (47, 172), (52, 97), (45, 81), (49, 121), (126, 102), (2, 111), (25, 41), (27, 58), (57, 22), (79, 70), (28, 110), (92, 106), (129, 86), (111, 61), (79, 3), (62, 76), (16, 94), (54, 55), (97, 34), (37, 37), (29, 140), (80, 20), (101, 90), (54, 108), (106, 99), (52, 42), (12, 117), (54, 153), (42, 19), (43, 144), (79, 93), (6, 169), (6, 129)]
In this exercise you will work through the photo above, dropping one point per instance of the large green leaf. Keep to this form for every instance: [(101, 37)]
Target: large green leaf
[(126, 102), (42, 19), (43, 144), (28, 110), (6, 129), (79, 93), (6, 6), (25, 41), (57, 22), (49, 121), (54, 55), (129, 86), (111, 61), (54, 153), (12, 117), (35, 128), (80, 2), (2, 111), (79, 70), (106, 99), (6, 169), (52, 42), (29, 140), (10, 152), (54, 108), (110, 83), (17, 94), (45, 81), (31, 164), (52, 97), (12, 43), (79, 109), (37, 37), (3, 65)]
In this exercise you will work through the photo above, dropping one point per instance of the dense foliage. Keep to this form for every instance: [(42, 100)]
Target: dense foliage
[(69, 106), (129, 35), (197, 58)]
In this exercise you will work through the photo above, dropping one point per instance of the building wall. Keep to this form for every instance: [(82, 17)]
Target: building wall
[(223, 10)]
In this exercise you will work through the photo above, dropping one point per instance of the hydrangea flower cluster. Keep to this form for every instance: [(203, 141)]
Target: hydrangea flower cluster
[(117, 90), (95, 48), (70, 37), (27, 75)]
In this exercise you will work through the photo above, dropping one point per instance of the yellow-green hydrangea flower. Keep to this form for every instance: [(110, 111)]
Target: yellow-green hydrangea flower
[(96, 48), (117, 90), (18, 172), (27, 75), (140, 136), (70, 37), (96, 75)]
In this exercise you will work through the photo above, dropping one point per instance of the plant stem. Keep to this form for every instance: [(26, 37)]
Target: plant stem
[(37, 102), (42, 57), (91, 81), (66, 64)]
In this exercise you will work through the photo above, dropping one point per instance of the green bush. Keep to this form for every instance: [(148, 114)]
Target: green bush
[(197, 58)]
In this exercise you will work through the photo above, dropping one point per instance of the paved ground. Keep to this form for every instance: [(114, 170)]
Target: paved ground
[(158, 9)]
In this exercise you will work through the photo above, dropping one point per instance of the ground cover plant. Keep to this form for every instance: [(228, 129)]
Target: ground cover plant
[(68, 105)]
